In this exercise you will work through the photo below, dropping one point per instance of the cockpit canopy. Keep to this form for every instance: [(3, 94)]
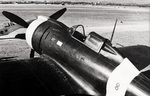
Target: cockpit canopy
[(95, 41), (98, 44)]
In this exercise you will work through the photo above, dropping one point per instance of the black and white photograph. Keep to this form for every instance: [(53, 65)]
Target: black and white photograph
[(74, 48)]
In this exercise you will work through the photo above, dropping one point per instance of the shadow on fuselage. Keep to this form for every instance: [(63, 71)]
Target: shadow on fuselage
[(33, 77)]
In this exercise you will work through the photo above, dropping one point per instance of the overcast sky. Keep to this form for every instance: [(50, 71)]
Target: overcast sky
[(112, 1)]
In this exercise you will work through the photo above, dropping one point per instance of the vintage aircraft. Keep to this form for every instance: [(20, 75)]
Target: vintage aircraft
[(72, 63), (10, 27)]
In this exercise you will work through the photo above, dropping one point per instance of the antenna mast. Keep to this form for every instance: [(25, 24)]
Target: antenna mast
[(113, 30)]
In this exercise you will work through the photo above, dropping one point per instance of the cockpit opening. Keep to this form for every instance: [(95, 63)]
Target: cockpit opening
[(97, 43), (76, 34)]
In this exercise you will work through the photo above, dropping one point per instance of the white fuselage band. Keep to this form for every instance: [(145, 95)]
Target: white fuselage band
[(32, 27), (120, 78)]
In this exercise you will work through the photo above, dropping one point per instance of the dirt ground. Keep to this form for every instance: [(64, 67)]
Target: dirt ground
[(132, 26)]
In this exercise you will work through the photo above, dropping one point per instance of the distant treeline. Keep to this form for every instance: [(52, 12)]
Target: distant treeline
[(72, 3)]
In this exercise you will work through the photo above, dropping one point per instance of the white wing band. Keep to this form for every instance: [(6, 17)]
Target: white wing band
[(120, 78)]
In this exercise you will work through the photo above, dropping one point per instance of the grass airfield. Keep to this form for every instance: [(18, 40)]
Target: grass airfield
[(132, 27)]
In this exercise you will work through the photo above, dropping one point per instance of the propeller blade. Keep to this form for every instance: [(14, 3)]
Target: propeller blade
[(58, 14), (22, 36), (14, 18), (31, 53)]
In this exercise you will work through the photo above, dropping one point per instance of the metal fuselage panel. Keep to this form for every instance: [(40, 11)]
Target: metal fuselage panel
[(53, 39), (57, 42)]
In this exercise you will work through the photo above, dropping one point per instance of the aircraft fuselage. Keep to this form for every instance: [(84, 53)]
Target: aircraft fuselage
[(52, 38)]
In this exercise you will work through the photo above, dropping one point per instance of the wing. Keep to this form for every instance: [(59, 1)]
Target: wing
[(139, 55), (7, 30), (11, 27), (34, 77)]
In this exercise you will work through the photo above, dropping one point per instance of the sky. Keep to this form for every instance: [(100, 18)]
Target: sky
[(107, 1)]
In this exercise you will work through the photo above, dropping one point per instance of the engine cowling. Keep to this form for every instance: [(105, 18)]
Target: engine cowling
[(32, 28)]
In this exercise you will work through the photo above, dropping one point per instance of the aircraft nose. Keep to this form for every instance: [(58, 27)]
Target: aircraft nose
[(32, 27)]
